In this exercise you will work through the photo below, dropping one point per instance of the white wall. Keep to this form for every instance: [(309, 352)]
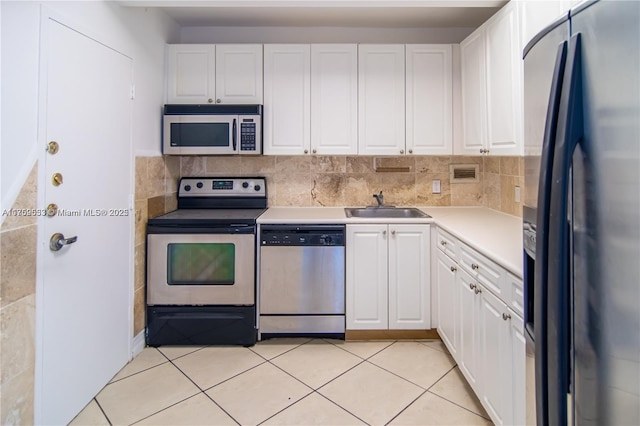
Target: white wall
[(321, 35), (137, 32)]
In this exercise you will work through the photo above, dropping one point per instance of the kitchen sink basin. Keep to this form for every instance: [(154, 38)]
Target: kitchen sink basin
[(375, 212)]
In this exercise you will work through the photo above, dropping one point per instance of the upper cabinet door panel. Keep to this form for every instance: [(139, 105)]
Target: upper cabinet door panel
[(381, 107), (429, 99), (504, 83), (191, 72), (334, 99), (287, 118), (239, 73), (474, 96)]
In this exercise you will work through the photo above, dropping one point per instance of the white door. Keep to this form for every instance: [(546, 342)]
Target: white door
[(239, 73), (474, 96), (447, 301), (409, 277), (287, 103), (429, 99), (366, 277), (85, 288), (504, 85), (381, 92), (334, 99), (191, 73)]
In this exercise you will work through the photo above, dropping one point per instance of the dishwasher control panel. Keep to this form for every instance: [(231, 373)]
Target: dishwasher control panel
[(302, 236)]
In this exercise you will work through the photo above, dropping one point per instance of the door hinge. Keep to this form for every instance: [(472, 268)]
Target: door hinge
[(133, 91)]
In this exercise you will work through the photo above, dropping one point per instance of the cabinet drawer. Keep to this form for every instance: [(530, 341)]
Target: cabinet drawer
[(447, 244), (485, 271), (514, 293)]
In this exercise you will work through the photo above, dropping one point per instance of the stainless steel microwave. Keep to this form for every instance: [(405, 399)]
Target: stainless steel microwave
[(212, 129)]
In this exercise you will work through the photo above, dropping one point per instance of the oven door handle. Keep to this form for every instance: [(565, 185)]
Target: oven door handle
[(235, 135)]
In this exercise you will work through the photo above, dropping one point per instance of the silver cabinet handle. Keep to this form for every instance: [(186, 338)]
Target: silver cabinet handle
[(410, 151), (306, 151), (218, 101), (506, 316), (58, 241), (443, 243), (314, 151), (384, 232), (393, 232), (402, 151), (454, 269), (474, 266), (477, 290), (210, 100), (472, 286)]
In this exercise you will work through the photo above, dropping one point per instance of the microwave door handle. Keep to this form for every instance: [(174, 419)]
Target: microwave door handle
[(235, 131)]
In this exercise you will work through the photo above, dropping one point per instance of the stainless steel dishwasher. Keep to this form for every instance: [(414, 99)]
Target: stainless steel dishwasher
[(301, 281)]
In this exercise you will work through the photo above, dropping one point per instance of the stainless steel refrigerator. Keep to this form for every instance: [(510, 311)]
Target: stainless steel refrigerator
[(582, 217)]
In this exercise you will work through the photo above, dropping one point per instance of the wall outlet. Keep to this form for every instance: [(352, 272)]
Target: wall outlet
[(517, 194), (435, 186)]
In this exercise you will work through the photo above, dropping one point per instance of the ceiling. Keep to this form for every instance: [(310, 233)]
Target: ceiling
[(333, 13)]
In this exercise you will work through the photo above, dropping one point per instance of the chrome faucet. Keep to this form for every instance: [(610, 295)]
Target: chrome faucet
[(379, 198)]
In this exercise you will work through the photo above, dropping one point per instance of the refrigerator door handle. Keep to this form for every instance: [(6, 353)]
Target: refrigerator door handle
[(536, 321), (569, 135)]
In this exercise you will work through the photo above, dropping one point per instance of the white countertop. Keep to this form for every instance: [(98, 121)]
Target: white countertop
[(497, 235)]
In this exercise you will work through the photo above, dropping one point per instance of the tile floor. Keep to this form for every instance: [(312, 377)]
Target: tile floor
[(289, 382)]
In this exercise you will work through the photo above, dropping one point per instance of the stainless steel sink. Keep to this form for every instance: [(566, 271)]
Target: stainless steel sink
[(375, 211)]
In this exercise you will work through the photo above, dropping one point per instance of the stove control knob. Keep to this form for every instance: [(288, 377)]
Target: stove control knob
[(257, 187), (199, 185), (187, 188), (245, 184)]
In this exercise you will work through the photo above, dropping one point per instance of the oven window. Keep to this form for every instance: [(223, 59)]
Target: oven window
[(200, 134), (201, 263)]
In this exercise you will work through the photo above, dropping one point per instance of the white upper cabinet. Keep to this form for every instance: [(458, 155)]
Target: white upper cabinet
[(492, 87), (191, 73), (334, 99), (207, 73), (287, 104), (239, 73), (429, 99), (474, 94), (504, 83), (381, 99)]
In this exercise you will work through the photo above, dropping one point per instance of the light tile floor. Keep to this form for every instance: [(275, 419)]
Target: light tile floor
[(289, 382)]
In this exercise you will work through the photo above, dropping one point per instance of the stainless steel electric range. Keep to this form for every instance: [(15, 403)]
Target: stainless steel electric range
[(201, 264)]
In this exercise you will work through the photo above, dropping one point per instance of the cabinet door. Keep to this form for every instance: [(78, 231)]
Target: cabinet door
[(495, 356), (191, 70), (518, 374), (469, 328), (428, 99), (447, 302), (409, 277), (239, 73), (504, 83), (334, 99), (381, 103), (474, 97), (287, 88), (366, 281)]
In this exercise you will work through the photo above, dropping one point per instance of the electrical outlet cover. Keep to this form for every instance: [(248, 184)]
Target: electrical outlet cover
[(435, 186)]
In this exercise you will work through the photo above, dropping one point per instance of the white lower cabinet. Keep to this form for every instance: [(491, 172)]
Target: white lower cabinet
[(446, 295), (388, 277), (481, 330)]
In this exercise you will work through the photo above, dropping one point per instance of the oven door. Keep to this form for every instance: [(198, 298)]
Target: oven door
[(200, 269), (200, 134)]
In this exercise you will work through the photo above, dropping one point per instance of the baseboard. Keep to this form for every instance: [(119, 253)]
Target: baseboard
[(391, 334), (138, 344)]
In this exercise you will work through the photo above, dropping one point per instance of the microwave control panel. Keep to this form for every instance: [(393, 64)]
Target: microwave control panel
[(250, 137)]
